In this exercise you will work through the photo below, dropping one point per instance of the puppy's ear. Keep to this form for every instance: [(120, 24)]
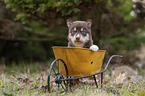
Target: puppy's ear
[(69, 22), (89, 23)]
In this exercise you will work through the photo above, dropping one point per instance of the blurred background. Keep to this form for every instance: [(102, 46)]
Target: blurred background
[(29, 28)]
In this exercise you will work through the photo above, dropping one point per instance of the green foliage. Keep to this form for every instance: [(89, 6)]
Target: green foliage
[(122, 6), (37, 27), (126, 8), (24, 8), (23, 17), (128, 42), (117, 43)]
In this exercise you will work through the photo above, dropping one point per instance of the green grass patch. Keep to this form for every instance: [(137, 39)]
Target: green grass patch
[(31, 80)]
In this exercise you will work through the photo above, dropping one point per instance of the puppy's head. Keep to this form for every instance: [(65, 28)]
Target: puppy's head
[(79, 33)]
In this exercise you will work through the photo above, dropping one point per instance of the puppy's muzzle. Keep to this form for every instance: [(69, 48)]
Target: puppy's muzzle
[(77, 39)]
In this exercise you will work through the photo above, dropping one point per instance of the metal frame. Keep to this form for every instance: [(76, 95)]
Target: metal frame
[(57, 79), (72, 78)]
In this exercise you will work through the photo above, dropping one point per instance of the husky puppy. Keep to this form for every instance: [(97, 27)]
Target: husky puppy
[(80, 34)]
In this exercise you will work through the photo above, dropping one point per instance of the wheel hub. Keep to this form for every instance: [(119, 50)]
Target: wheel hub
[(57, 80)]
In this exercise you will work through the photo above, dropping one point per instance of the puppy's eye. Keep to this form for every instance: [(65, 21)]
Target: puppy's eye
[(73, 32), (83, 32)]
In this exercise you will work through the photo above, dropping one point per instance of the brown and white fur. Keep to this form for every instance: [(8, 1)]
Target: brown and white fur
[(79, 34)]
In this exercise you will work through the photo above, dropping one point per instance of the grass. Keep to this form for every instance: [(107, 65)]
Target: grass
[(31, 80)]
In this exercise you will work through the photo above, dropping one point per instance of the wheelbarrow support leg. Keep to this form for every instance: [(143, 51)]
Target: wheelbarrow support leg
[(101, 80), (70, 84), (95, 81)]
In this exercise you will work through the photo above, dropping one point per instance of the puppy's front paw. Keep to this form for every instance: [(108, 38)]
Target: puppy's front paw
[(94, 48)]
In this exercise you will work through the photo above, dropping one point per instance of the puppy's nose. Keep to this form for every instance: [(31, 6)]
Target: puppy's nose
[(77, 38)]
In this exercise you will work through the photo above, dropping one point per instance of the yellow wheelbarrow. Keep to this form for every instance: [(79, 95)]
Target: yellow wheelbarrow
[(75, 63)]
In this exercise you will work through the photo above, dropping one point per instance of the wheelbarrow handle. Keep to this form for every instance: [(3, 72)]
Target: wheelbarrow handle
[(110, 61)]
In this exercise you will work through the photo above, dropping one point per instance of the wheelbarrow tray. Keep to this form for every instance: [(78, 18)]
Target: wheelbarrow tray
[(79, 61)]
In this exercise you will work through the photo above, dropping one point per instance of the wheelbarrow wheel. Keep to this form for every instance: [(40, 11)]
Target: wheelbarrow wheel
[(54, 76)]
